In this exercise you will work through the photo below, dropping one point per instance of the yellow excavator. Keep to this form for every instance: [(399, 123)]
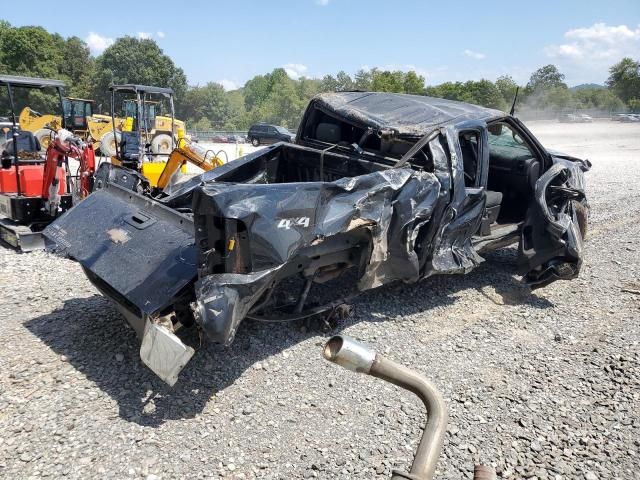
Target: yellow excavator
[(79, 119), (183, 153), (134, 147)]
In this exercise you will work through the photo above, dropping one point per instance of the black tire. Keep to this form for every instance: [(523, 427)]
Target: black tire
[(255, 142)]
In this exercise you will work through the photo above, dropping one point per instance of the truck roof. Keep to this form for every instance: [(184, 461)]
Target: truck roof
[(407, 114)]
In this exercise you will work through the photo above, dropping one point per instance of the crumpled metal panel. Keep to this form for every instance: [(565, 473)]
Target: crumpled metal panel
[(552, 245), (391, 204)]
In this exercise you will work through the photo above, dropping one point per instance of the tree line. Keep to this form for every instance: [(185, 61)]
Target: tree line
[(275, 97)]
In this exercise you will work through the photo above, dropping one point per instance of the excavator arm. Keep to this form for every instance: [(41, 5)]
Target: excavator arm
[(179, 156), (66, 145)]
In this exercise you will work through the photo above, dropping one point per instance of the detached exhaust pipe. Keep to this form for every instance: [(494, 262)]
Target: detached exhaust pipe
[(358, 357)]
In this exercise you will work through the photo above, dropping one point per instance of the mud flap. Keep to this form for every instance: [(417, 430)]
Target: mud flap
[(164, 353), (551, 244)]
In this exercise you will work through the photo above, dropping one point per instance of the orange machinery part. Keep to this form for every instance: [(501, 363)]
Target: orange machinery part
[(30, 180)]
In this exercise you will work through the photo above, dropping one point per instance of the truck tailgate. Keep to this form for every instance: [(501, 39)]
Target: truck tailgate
[(141, 253)]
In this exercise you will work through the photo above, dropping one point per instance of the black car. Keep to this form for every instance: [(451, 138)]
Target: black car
[(263, 134)]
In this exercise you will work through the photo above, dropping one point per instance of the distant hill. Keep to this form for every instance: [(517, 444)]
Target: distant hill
[(582, 86)]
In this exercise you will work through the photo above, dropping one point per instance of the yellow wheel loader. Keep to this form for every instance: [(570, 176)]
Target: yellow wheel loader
[(79, 116)]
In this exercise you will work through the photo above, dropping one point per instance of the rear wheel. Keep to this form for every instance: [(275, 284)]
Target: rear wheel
[(108, 143), (255, 142), (44, 137), (161, 144)]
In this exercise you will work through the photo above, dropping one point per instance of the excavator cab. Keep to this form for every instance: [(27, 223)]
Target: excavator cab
[(148, 120), (135, 148), (76, 111)]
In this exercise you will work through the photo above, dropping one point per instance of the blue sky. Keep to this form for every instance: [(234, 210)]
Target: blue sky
[(231, 41)]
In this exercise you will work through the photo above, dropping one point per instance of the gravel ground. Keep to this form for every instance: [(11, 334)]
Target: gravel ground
[(542, 384)]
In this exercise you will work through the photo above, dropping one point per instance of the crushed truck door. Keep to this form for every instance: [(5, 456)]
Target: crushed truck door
[(551, 243)]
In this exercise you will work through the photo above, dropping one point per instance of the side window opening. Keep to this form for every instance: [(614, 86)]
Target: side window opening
[(469, 145), (514, 169)]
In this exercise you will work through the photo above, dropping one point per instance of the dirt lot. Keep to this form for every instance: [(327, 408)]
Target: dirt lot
[(542, 385)]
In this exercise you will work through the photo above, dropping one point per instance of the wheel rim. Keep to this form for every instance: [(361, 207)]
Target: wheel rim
[(111, 144)]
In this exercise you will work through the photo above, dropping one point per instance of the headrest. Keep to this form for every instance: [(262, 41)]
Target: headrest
[(328, 132)]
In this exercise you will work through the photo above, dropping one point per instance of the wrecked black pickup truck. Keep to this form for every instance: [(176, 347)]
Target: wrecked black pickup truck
[(377, 188)]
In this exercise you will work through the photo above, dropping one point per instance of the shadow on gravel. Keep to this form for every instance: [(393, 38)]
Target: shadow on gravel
[(92, 336)]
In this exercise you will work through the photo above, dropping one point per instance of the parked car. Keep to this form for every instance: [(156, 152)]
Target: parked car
[(568, 118), (378, 188), (575, 118), (630, 118), (264, 134)]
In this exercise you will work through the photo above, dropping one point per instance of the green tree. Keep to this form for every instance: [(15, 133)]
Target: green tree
[(387, 81), (77, 66), (362, 80), (282, 106), (237, 119), (601, 98), (507, 87), (624, 79), (344, 81), (33, 52), (133, 60), (308, 87), (545, 78), (485, 93), (256, 91), (208, 102), (328, 84), (413, 83)]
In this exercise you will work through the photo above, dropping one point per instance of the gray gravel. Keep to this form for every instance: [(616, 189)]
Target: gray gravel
[(543, 385)]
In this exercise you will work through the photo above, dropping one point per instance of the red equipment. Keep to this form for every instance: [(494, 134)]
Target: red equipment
[(35, 190)]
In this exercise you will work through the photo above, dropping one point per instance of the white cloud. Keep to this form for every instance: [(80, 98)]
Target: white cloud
[(228, 84), (97, 43), (295, 70), (588, 52), (322, 3), (475, 55), (160, 34), (144, 35), (597, 42)]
